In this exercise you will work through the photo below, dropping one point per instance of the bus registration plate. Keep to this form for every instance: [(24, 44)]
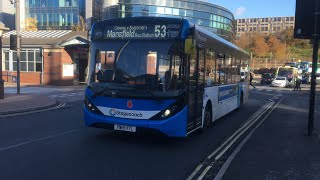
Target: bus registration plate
[(125, 128)]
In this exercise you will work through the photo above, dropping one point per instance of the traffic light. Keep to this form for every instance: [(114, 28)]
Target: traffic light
[(13, 42), (305, 19)]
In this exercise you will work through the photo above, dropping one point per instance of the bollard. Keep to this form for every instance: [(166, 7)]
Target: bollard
[(1, 89)]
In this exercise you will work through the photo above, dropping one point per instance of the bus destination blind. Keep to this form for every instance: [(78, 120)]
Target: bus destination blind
[(167, 31)]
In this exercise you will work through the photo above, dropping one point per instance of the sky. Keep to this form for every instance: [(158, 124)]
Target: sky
[(258, 8)]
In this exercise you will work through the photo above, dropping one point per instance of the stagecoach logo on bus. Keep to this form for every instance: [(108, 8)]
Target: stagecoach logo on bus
[(118, 113), (136, 32), (127, 114)]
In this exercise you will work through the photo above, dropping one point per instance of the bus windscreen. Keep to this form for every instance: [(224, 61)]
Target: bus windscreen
[(139, 65)]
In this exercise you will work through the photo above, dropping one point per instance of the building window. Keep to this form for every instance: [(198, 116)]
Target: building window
[(175, 12), (6, 60), (30, 61), (168, 11)]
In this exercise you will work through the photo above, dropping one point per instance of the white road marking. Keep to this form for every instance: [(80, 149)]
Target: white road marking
[(39, 139), (251, 118), (66, 95), (195, 172), (241, 133), (233, 155), (204, 172)]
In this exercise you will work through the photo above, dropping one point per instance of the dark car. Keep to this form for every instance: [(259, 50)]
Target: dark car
[(266, 78)]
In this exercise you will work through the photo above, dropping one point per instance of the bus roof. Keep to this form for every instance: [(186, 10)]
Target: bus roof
[(177, 28), (210, 39)]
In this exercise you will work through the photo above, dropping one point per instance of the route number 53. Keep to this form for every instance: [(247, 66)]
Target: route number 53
[(160, 31)]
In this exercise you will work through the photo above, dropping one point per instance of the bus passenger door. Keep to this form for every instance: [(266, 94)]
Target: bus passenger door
[(196, 89)]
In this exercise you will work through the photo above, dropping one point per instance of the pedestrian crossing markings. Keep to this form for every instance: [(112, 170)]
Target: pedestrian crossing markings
[(66, 95)]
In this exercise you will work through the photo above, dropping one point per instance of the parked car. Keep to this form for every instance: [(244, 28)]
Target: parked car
[(266, 78), (280, 82), (243, 75)]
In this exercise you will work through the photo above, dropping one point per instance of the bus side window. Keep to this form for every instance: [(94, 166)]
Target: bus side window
[(210, 68)]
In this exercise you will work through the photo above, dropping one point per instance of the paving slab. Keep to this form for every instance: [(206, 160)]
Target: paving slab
[(14, 103)]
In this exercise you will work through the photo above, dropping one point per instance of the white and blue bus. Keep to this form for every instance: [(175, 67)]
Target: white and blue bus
[(161, 74)]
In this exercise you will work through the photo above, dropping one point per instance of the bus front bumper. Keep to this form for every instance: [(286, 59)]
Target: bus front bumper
[(174, 126)]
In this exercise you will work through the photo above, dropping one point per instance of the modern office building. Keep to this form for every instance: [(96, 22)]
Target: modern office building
[(265, 25), (7, 14), (210, 16), (3, 28), (60, 14)]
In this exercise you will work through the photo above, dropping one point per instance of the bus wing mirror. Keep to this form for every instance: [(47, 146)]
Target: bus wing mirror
[(189, 46)]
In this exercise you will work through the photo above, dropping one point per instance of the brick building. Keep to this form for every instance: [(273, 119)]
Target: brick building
[(47, 57)]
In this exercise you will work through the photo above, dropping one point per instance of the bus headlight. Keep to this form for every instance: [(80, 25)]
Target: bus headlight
[(91, 107), (169, 111), (166, 113)]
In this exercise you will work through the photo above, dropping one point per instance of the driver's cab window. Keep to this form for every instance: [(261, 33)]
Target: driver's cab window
[(171, 72), (104, 67)]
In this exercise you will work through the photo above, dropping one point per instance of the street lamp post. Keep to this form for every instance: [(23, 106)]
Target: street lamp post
[(1, 80), (17, 3)]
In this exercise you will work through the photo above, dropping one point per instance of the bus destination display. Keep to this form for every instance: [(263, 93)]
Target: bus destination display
[(168, 31)]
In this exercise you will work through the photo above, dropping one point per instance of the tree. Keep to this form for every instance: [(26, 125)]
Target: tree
[(81, 26), (286, 36), (259, 46), (278, 49), (244, 42), (31, 24)]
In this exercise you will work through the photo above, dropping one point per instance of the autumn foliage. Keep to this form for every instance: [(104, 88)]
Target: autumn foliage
[(31, 24), (81, 26), (280, 45)]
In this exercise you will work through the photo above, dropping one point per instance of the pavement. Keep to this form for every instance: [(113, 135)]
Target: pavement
[(37, 97), (14, 103)]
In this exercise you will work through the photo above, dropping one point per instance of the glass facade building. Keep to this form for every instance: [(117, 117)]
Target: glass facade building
[(215, 18), (55, 14)]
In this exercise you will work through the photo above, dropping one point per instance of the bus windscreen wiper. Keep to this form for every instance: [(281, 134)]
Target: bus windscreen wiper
[(105, 88), (145, 89), (99, 92), (149, 92)]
